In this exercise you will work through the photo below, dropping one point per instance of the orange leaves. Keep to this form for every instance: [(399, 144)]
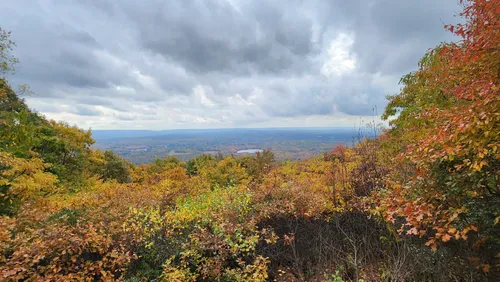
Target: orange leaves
[(469, 74), (445, 238), (432, 244), (448, 126), (447, 234), (80, 251), (424, 216), (73, 236), (485, 268), (412, 231)]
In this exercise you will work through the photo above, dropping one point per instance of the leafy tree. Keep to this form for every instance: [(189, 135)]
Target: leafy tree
[(7, 61), (160, 165), (407, 109), (257, 166), (434, 174), (448, 116), (22, 179), (227, 172), (196, 164), (20, 128), (115, 168), (66, 148)]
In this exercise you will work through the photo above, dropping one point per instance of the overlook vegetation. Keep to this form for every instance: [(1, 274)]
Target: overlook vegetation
[(421, 202)]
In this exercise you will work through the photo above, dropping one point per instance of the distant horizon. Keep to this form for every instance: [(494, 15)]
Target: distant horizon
[(360, 122), (103, 134), (142, 146), (231, 128)]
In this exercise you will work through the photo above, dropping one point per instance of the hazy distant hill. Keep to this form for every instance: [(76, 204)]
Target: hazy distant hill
[(111, 134)]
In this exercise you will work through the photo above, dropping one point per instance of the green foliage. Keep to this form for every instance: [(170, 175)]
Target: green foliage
[(66, 147), (446, 125), (69, 215), (160, 165), (423, 194), (257, 166), (227, 172), (20, 128), (335, 277), (115, 168), (7, 61), (195, 165), (405, 109)]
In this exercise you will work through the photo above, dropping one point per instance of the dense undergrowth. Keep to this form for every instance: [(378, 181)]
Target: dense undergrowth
[(421, 202)]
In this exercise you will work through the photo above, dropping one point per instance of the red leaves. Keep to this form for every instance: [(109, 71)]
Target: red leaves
[(461, 131), (469, 75)]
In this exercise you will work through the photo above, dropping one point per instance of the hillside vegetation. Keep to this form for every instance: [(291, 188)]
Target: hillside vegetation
[(419, 203)]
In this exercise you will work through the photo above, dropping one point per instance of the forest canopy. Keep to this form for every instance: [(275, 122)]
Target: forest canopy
[(420, 202)]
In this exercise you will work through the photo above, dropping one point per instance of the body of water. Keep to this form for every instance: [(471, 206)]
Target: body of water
[(249, 151)]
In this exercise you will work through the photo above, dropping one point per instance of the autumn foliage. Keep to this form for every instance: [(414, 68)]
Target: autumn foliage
[(421, 202), (454, 150)]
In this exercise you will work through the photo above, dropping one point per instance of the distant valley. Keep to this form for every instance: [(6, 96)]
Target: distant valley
[(141, 146)]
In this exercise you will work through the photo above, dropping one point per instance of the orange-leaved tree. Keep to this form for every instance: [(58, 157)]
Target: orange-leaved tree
[(447, 117)]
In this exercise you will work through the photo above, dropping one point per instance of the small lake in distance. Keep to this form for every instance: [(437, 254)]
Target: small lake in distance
[(249, 151)]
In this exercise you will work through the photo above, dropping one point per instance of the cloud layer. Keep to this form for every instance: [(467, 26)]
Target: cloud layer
[(166, 64)]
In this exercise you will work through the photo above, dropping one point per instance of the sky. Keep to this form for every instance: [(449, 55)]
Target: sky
[(164, 64)]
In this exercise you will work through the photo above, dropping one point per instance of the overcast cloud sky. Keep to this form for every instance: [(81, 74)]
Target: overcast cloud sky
[(162, 64)]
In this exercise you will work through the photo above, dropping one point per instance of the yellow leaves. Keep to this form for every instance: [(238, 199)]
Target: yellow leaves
[(20, 165), (96, 157), (258, 270), (73, 136), (470, 227), (177, 274), (467, 230), (269, 236), (143, 223), (478, 165), (452, 230), (26, 177)]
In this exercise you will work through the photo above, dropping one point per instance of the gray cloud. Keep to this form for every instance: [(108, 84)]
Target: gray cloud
[(218, 63), (84, 110), (206, 36), (391, 36)]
